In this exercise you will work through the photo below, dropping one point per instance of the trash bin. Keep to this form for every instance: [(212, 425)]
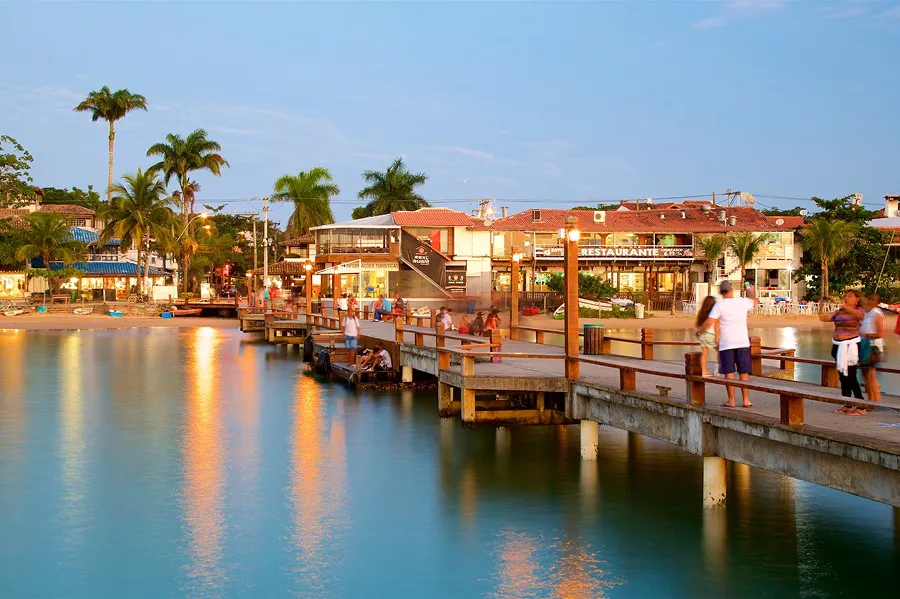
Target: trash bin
[(593, 339), (639, 310), (470, 306)]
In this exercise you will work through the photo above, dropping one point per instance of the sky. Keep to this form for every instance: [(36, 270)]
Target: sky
[(550, 104)]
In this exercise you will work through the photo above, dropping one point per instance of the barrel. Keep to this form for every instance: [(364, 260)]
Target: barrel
[(593, 339)]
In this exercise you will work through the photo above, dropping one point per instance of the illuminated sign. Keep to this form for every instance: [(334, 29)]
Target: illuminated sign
[(660, 252)]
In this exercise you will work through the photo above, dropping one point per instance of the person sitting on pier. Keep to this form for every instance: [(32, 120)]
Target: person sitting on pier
[(734, 337), (845, 346), (379, 359), (342, 304), (382, 308), (463, 326), (445, 319), (706, 333), (350, 328), (399, 304), (477, 326)]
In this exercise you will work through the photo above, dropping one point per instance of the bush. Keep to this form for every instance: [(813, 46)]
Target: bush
[(187, 295), (589, 286)]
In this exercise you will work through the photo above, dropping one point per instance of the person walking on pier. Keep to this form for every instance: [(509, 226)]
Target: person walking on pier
[(845, 345), (734, 338), (706, 331), (350, 328), (871, 348)]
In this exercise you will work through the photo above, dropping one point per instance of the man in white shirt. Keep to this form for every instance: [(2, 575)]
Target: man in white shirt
[(350, 326), (730, 317), (379, 360)]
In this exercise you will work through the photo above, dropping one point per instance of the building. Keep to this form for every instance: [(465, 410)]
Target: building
[(647, 251)]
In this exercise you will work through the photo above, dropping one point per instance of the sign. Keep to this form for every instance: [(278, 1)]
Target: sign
[(423, 258), (456, 278), (656, 252)]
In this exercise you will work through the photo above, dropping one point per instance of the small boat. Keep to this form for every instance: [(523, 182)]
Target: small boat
[(83, 311), (187, 312), (116, 313), (13, 312)]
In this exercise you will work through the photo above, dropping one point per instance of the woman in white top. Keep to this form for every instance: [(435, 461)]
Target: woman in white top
[(872, 328)]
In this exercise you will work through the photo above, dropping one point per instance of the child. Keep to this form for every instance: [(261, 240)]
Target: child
[(706, 333)]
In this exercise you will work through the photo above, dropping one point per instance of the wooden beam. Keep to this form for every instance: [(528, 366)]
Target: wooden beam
[(696, 390), (791, 410)]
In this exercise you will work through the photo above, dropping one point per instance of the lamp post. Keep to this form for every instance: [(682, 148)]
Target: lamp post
[(187, 225), (516, 259), (308, 285), (570, 236), (336, 288)]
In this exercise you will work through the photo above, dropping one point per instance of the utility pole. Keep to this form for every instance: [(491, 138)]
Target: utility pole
[(266, 241), (252, 217)]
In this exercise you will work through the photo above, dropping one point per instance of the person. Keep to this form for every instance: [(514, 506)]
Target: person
[(477, 326), (729, 316), (706, 333), (352, 302), (399, 303), (872, 345), (845, 345), (343, 304), (266, 297), (350, 328), (260, 297), (382, 308), (445, 319), (463, 326), (492, 322), (380, 359)]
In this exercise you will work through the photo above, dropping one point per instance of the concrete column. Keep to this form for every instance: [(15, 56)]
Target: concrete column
[(590, 439), (468, 405), (589, 485), (714, 481), (445, 400), (406, 374), (715, 541)]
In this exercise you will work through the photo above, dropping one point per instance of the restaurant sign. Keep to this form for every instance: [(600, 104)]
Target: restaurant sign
[(456, 278), (620, 253)]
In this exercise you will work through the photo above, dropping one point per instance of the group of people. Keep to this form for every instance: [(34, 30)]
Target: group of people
[(479, 325), (857, 341)]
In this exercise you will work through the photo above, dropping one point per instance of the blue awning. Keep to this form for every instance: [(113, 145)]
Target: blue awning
[(103, 269)]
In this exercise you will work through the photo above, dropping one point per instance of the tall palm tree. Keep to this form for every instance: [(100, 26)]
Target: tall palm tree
[(311, 193), (392, 190), (745, 247), (48, 236), (827, 241), (181, 156), (111, 106), (140, 209), (713, 247)]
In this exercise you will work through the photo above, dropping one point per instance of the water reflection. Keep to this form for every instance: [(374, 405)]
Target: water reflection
[(13, 408), (203, 457), (72, 441), (318, 487), (518, 567)]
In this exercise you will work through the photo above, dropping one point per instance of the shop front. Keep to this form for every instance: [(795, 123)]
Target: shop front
[(12, 285), (365, 280)]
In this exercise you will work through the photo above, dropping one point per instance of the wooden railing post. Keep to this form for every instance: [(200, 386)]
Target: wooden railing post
[(693, 367), (627, 379), (605, 346), (539, 337), (443, 359), (496, 344), (646, 344), (420, 339), (830, 375), (398, 331), (788, 365), (791, 410), (468, 364), (433, 319), (755, 356), (439, 337), (366, 312)]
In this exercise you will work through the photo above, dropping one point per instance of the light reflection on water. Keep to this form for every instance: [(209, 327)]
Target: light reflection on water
[(278, 484)]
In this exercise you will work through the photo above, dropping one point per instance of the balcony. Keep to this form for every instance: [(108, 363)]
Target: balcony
[(618, 252)]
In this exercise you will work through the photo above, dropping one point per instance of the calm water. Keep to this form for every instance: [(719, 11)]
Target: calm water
[(164, 463)]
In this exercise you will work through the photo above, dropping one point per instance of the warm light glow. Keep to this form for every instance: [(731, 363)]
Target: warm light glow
[(574, 235), (249, 275), (307, 267), (561, 234), (517, 257), (207, 227), (790, 268), (204, 215)]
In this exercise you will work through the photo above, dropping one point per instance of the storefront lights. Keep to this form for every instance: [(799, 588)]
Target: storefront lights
[(517, 257), (574, 235)]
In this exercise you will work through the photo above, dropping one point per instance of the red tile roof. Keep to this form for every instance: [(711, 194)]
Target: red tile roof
[(789, 222), (15, 216), (71, 209), (432, 217), (645, 221)]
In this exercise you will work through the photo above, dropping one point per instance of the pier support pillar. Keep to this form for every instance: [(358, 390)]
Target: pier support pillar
[(406, 374), (468, 405), (445, 400), (714, 481), (590, 439)]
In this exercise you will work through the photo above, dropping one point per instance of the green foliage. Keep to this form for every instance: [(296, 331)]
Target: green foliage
[(839, 230), (713, 248), (361, 212), (796, 211), (88, 199), (181, 156), (589, 286), (186, 295), (608, 207), (745, 247), (48, 237), (393, 190), (15, 176), (311, 192), (111, 106)]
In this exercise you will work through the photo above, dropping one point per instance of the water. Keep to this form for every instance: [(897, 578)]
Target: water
[(193, 463)]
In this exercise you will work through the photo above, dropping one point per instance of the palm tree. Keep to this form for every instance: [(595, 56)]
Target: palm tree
[(713, 247), (111, 106), (827, 241), (48, 236), (745, 247), (181, 156), (392, 190), (140, 209), (311, 192)]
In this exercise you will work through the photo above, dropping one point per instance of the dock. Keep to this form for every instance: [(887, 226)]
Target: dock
[(792, 428)]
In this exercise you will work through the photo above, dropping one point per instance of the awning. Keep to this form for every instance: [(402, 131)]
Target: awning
[(354, 266)]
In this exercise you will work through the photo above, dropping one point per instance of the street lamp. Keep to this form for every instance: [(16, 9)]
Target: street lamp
[(514, 294), (202, 215), (570, 236), (307, 267)]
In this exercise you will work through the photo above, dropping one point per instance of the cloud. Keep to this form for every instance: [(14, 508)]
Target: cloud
[(739, 10), (320, 127), (466, 152), (234, 130), (891, 13)]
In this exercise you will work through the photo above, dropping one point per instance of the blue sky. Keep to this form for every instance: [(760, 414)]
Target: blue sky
[(569, 103)]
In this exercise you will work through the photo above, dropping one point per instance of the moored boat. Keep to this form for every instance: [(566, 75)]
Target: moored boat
[(187, 312)]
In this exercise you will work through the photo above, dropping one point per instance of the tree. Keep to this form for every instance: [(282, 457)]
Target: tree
[(88, 199), (393, 190), (48, 236), (713, 247), (590, 286), (607, 207), (745, 247), (361, 212), (311, 193), (111, 106), (15, 178), (140, 209), (797, 211), (826, 241), (179, 157)]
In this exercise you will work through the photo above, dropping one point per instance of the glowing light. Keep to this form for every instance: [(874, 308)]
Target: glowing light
[(574, 235), (517, 257)]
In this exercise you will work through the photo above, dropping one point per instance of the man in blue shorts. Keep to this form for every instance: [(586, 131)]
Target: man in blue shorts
[(729, 315), (350, 326)]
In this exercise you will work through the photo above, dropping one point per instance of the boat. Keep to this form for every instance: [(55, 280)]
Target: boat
[(116, 313), (187, 312), (13, 312), (83, 311), (601, 306)]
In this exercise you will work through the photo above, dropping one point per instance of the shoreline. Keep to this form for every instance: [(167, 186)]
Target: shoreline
[(71, 322)]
